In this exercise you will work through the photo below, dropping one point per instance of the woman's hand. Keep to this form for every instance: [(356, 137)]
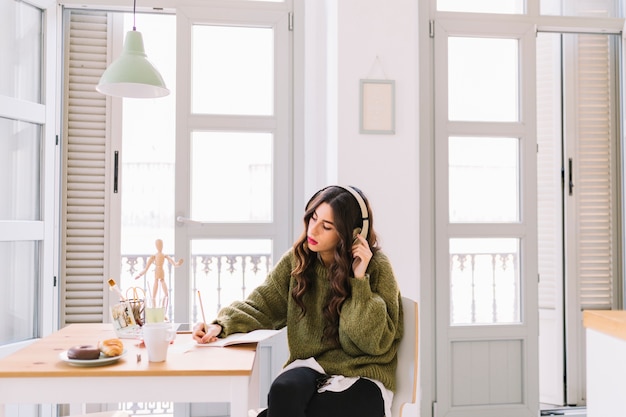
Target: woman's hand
[(362, 254), (208, 335)]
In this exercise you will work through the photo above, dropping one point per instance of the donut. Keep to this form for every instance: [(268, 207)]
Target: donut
[(111, 347), (84, 352)]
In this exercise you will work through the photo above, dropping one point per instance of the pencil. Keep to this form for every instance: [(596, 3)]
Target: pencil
[(202, 310)]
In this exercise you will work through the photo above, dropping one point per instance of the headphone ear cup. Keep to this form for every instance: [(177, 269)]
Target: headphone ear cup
[(362, 205), (355, 233)]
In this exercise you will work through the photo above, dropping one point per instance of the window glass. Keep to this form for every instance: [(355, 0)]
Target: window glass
[(482, 6), (232, 70), (484, 281), (20, 168), (483, 79), (20, 43), (582, 8), (225, 270), (19, 296), (231, 176), (484, 179)]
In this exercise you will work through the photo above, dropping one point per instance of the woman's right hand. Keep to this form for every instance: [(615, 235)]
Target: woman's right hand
[(208, 335)]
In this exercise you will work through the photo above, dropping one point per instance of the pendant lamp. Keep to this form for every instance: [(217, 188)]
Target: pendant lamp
[(132, 74)]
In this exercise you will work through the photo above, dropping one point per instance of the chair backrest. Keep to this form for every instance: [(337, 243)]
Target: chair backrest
[(406, 375)]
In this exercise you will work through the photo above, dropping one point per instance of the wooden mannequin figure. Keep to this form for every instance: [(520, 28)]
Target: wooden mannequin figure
[(159, 274)]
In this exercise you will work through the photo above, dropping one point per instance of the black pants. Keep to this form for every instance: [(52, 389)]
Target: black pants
[(294, 394)]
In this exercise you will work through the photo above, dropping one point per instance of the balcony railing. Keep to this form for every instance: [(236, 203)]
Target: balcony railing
[(221, 278), (484, 288)]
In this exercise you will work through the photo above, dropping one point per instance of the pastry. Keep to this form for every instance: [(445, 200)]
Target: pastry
[(111, 347)]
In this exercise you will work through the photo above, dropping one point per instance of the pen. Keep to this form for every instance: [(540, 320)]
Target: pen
[(202, 310)]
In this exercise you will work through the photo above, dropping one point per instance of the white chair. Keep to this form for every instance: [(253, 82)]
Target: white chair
[(406, 375)]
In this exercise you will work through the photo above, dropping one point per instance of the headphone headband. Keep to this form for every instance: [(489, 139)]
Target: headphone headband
[(362, 205)]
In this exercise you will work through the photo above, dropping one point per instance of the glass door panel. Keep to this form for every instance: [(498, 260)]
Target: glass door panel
[(231, 176), (484, 180), (20, 168), (20, 297), (232, 70), (483, 76), (21, 64), (484, 281)]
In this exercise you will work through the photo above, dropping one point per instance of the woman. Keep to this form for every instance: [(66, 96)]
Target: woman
[(336, 293)]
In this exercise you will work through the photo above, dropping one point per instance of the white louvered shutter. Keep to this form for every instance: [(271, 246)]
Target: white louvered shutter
[(589, 233), (84, 201), (595, 173)]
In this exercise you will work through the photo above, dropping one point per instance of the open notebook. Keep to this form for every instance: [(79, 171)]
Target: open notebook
[(254, 336)]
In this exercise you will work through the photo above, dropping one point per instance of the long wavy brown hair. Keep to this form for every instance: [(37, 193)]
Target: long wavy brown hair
[(347, 217)]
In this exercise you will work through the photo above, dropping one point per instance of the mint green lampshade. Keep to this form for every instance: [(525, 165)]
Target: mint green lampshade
[(132, 75)]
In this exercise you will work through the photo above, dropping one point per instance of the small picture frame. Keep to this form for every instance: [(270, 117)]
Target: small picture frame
[(377, 112), (124, 320)]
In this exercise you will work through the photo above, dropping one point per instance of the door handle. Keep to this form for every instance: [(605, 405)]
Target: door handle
[(116, 170), (187, 220), (570, 176)]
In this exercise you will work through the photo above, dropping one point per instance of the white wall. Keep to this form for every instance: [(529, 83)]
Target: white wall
[(344, 39), (384, 166)]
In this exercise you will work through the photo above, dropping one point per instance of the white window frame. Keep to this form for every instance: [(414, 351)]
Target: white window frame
[(278, 230), (44, 230)]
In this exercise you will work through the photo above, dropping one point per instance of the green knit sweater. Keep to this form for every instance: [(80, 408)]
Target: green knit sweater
[(370, 324)]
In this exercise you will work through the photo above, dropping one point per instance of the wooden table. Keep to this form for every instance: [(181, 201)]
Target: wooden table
[(36, 374)]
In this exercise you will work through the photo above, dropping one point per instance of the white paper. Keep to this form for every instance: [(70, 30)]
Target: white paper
[(254, 336)]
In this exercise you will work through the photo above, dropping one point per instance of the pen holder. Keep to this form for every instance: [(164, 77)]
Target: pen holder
[(155, 309), (138, 308)]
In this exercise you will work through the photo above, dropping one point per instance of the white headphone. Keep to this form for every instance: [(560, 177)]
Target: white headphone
[(363, 206)]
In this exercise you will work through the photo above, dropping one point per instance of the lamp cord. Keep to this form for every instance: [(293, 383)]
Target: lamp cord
[(134, 7)]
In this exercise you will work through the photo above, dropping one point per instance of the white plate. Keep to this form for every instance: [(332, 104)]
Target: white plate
[(104, 360)]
